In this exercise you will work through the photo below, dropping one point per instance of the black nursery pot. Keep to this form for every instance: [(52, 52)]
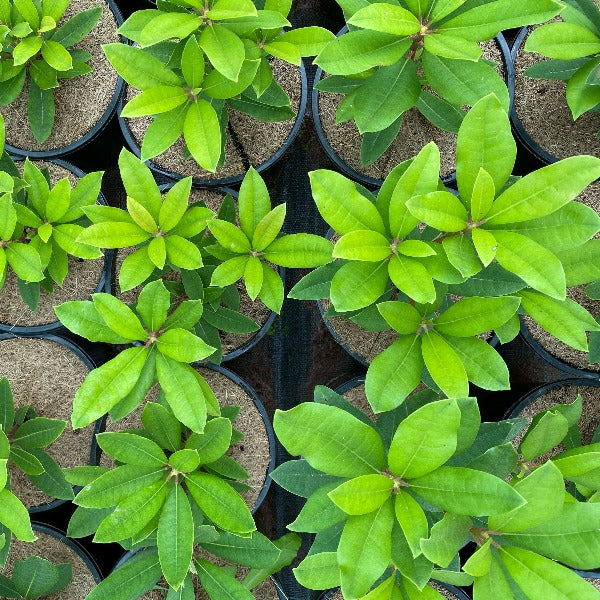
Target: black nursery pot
[(95, 130), (84, 357), (104, 283), (352, 172), (229, 180), (566, 369), (541, 390)]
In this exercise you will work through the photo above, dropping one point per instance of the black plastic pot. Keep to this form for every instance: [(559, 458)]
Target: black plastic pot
[(95, 130), (341, 164), (85, 556), (568, 370), (89, 363), (131, 553), (543, 389), (451, 588), (104, 283), (233, 179)]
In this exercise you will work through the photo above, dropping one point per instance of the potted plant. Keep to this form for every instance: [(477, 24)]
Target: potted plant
[(176, 489), (415, 55), (46, 51), (40, 224), (482, 246), (391, 508), (236, 43), (563, 85)]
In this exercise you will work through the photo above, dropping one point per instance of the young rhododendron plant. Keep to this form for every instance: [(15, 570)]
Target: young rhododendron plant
[(397, 52), (39, 223), (392, 503), (164, 345), (173, 490), (195, 59), (34, 45), (35, 577), (442, 269), (573, 47)]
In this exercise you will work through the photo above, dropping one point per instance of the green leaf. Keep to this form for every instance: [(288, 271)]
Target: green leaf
[(386, 95), (444, 365), (268, 228), (253, 202), (116, 485), (564, 41), (362, 494), (119, 317), (202, 133), (299, 478), (441, 113), (220, 503), (482, 364), (163, 132), (57, 56), (139, 182), (33, 576), (452, 46), (319, 513), (229, 271), (106, 385), (463, 82), (8, 217), (133, 513), (543, 490), (466, 492), (318, 571), (475, 315), (537, 575), (168, 25), (254, 550), (157, 100), (224, 49), (229, 236), (386, 18), (219, 584), (342, 205), (446, 538), (162, 425), (373, 145), (175, 537), (52, 481), (113, 235), (545, 432), (77, 27), (484, 142), (131, 449), (318, 432), (581, 96), (412, 520), (192, 63), (38, 432), (401, 316), (299, 250), (136, 576), (7, 409), (15, 516), (365, 550), (25, 49), (394, 373), (441, 210), (358, 284), (182, 253), (153, 303), (183, 346), (40, 111), (85, 521), (533, 263), (82, 318), (359, 51), (411, 454), (182, 392), (363, 245), (562, 537), (25, 261), (309, 40), (28, 463)]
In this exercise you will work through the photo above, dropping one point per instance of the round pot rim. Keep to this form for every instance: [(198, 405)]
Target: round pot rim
[(562, 366), (231, 179), (98, 424), (85, 556), (264, 416), (129, 553), (104, 282), (96, 129), (540, 390), (341, 164)]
